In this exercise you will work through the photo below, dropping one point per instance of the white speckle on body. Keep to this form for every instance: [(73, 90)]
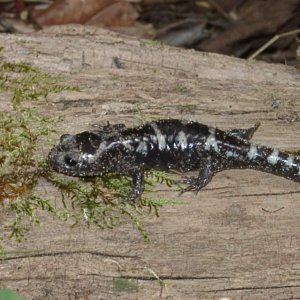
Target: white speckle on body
[(142, 148), (102, 146), (161, 139), (128, 145), (211, 141), (273, 157), (89, 157), (231, 154), (170, 138), (252, 153)]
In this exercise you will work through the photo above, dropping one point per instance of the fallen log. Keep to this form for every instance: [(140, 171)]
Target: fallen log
[(237, 238)]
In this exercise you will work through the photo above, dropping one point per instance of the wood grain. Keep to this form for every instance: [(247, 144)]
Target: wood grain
[(239, 238)]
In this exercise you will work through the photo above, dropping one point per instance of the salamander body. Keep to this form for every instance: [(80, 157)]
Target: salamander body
[(167, 144)]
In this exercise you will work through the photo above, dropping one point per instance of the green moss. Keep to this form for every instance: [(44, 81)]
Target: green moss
[(28, 83), (2, 253), (99, 201), (7, 294), (181, 89), (296, 152), (125, 285), (187, 108), (22, 130)]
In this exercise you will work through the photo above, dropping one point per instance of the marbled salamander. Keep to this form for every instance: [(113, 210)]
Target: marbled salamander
[(167, 144)]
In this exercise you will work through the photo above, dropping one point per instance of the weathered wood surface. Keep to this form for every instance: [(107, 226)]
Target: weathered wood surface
[(239, 238)]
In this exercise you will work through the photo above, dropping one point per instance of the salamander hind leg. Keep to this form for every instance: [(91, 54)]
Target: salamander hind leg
[(197, 183), (244, 133)]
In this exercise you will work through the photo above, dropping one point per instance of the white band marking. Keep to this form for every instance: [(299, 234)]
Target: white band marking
[(211, 140), (142, 148), (182, 140), (273, 158), (290, 161), (252, 153), (160, 137)]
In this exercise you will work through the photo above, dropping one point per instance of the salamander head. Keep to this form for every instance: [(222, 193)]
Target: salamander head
[(76, 155)]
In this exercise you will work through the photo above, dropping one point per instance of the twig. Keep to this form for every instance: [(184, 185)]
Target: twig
[(220, 10), (271, 41), (274, 211)]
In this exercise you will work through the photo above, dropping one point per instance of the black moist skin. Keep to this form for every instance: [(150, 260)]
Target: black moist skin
[(167, 144)]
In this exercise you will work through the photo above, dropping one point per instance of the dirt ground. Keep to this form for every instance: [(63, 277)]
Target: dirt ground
[(239, 238)]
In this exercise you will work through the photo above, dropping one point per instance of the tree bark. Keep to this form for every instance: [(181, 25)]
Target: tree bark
[(238, 238)]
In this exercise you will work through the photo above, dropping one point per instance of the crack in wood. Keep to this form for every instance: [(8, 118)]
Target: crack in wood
[(63, 253), (252, 288), (262, 194), (152, 278)]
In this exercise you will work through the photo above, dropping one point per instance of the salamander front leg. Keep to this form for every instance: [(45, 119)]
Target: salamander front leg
[(197, 183), (137, 184)]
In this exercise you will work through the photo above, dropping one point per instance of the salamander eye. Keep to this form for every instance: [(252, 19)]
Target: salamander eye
[(70, 162)]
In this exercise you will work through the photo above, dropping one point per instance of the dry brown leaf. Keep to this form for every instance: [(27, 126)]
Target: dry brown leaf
[(118, 14), (258, 22), (228, 5), (70, 11)]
